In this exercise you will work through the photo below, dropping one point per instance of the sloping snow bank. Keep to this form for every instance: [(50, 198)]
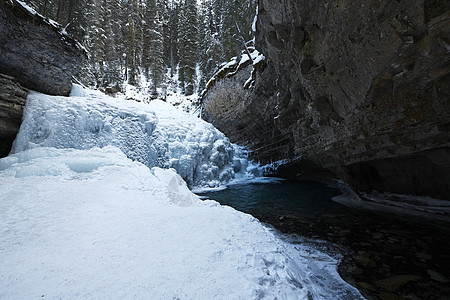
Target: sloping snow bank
[(92, 224), (154, 134)]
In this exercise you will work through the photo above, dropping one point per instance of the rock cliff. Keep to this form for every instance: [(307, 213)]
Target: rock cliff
[(12, 101), (35, 50), (357, 90)]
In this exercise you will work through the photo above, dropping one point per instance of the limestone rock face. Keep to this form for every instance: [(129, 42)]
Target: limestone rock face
[(357, 90), (35, 51), (12, 101)]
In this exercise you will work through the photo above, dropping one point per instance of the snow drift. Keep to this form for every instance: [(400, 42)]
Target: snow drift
[(93, 224), (86, 212)]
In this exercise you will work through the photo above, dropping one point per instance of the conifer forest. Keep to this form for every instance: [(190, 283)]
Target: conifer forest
[(126, 39)]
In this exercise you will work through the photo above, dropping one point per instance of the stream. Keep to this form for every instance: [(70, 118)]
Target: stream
[(385, 256)]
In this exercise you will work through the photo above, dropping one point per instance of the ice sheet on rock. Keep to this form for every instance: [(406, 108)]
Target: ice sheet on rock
[(78, 224), (155, 135)]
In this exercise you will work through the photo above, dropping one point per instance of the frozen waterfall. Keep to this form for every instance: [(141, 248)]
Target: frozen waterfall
[(155, 134)]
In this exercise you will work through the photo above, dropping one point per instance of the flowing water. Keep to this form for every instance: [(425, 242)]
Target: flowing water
[(306, 199), (379, 248)]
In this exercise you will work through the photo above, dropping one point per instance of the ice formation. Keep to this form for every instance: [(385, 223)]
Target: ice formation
[(93, 224), (154, 134)]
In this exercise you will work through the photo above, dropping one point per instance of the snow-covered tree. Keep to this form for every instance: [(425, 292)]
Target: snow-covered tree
[(153, 50), (125, 37), (188, 59)]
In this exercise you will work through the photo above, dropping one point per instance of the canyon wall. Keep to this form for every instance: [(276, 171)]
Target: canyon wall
[(356, 90), (12, 101)]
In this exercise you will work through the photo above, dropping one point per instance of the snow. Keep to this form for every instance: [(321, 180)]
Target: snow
[(87, 212), (273, 166), (93, 224), (255, 20), (233, 66), (155, 134), (244, 59), (259, 58)]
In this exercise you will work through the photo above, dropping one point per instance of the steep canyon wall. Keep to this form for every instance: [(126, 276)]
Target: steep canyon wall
[(357, 90)]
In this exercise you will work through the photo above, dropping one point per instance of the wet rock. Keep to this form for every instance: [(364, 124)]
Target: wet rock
[(363, 259), (392, 284), (412, 297), (366, 286), (422, 244), (434, 275), (424, 256), (357, 271), (34, 54), (389, 296)]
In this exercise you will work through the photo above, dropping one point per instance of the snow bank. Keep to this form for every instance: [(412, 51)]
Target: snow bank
[(92, 224), (154, 134)]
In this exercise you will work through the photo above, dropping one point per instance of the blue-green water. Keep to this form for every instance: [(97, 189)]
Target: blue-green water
[(308, 199), (397, 243)]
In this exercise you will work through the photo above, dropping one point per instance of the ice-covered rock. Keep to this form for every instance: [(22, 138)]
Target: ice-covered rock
[(155, 134)]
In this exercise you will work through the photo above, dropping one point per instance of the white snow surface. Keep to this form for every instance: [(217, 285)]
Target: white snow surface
[(155, 134), (93, 224)]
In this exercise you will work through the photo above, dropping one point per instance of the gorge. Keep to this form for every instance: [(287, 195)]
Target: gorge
[(347, 100), (352, 90)]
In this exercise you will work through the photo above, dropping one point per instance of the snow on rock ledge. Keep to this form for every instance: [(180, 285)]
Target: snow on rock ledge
[(155, 135)]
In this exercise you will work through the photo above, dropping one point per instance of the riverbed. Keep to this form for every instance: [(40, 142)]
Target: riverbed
[(385, 256)]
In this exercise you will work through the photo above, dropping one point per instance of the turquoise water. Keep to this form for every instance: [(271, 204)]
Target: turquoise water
[(308, 199)]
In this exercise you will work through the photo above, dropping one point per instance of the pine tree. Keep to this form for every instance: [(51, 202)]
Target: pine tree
[(133, 40), (113, 72), (190, 41), (174, 17), (206, 38), (149, 23), (125, 36), (165, 21), (94, 71), (153, 56), (181, 46)]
